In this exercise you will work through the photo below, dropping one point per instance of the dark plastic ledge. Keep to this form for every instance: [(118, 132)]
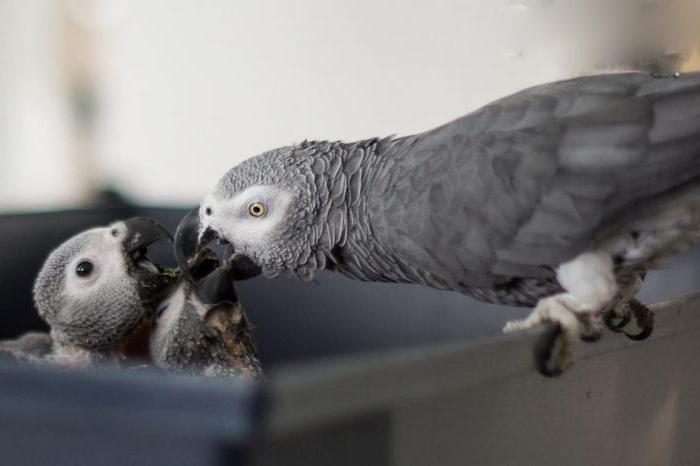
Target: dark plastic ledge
[(62, 417), (623, 402)]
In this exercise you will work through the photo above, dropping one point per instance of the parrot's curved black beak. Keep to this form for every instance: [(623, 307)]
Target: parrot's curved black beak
[(187, 241), (142, 232), (153, 280), (191, 239), (216, 287)]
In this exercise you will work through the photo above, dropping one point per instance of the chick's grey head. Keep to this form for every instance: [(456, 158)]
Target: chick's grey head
[(98, 286), (264, 208)]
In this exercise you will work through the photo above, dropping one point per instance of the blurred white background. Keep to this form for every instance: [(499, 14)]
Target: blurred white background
[(159, 98)]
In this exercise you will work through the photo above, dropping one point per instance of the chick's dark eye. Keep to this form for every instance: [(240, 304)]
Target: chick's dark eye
[(208, 211), (84, 268)]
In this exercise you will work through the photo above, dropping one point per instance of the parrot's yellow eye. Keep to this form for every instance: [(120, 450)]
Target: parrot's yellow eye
[(256, 209)]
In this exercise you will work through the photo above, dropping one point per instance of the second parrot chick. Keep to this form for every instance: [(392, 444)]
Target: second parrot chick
[(202, 329)]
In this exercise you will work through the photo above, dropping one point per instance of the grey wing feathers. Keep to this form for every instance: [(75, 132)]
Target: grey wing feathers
[(528, 181)]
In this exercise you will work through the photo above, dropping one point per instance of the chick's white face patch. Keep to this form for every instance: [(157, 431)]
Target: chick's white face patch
[(99, 261), (250, 218)]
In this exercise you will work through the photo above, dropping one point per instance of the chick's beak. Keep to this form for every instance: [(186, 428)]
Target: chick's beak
[(142, 232), (191, 239), (153, 280), (216, 288)]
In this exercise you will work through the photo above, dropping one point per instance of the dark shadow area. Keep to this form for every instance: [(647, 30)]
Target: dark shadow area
[(364, 440)]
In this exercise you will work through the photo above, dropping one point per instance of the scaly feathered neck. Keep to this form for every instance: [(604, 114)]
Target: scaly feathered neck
[(341, 175)]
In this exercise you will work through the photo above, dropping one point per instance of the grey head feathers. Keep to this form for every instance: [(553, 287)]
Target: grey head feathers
[(92, 311), (312, 195), (98, 287)]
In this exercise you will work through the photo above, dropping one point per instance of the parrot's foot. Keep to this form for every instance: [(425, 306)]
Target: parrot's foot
[(554, 352), (591, 327), (589, 286), (625, 307), (617, 319)]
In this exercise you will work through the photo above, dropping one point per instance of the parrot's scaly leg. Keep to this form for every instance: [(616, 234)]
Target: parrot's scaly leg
[(590, 286)]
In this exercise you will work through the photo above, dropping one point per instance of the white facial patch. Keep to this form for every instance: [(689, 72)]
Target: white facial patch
[(233, 218), (102, 250)]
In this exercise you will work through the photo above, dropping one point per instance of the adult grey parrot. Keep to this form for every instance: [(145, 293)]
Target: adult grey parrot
[(201, 328), (97, 289), (547, 198)]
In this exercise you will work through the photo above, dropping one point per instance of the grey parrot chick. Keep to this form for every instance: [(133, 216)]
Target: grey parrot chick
[(202, 329), (549, 198), (98, 288)]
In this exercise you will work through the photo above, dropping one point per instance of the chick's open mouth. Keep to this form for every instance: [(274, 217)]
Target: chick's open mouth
[(141, 261), (154, 279)]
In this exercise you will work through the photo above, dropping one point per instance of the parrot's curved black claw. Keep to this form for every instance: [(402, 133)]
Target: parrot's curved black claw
[(644, 317), (643, 335), (615, 322), (552, 354)]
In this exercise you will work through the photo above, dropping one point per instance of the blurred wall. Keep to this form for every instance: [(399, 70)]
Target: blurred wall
[(178, 91), (193, 88), (35, 162)]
